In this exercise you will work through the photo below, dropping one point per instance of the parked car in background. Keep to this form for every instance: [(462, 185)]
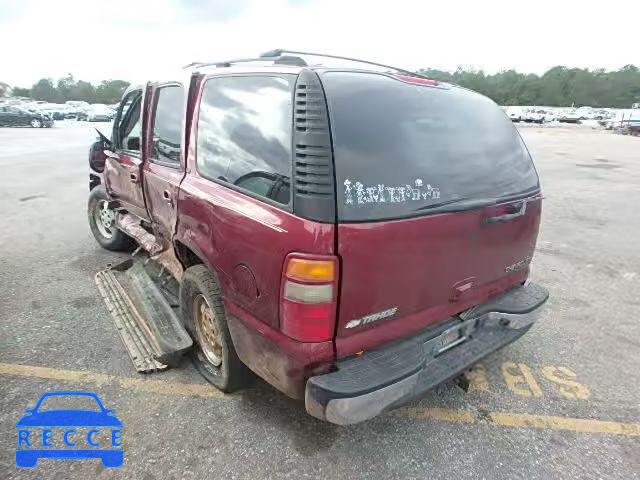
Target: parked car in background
[(55, 111), (71, 112), (534, 115), (586, 113), (96, 113), (622, 119), (570, 116), (601, 114), (17, 116), (77, 103), (516, 114), (550, 115)]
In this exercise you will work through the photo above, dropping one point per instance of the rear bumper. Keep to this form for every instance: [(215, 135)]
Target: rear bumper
[(367, 385)]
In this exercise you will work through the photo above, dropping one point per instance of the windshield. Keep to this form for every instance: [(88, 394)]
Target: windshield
[(403, 150)]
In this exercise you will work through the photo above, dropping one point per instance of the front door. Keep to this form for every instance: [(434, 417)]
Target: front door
[(163, 168), (123, 167)]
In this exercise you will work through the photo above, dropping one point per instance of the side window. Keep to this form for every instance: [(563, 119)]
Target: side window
[(244, 134), (128, 124), (167, 125)]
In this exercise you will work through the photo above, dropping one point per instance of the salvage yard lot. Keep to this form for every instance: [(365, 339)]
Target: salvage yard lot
[(562, 402)]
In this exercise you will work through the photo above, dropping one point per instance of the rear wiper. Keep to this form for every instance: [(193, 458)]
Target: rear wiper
[(471, 203)]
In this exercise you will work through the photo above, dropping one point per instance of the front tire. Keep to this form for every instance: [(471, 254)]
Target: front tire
[(102, 222), (35, 123), (204, 315)]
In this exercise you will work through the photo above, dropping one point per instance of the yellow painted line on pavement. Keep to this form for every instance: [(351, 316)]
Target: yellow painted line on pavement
[(503, 419), (522, 420), (547, 422), (436, 413), (150, 386)]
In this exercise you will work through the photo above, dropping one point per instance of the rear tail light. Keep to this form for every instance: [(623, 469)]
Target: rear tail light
[(308, 297)]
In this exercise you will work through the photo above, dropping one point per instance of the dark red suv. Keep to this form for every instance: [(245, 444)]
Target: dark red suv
[(352, 236)]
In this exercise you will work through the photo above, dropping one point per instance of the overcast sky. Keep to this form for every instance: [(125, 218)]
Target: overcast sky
[(139, 39)]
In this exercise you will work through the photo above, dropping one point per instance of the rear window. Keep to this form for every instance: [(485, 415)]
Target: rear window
[(404, 150)]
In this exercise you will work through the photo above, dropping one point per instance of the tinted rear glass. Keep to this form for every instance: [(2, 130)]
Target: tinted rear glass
[(403, 150)]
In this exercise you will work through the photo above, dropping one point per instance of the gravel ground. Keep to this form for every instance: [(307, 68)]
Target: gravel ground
[(523, 419)]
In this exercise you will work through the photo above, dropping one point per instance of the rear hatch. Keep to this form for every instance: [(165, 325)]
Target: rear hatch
[(423, 171)]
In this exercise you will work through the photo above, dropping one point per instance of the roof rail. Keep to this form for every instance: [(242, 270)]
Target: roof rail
[(277, 59), (279, 51)]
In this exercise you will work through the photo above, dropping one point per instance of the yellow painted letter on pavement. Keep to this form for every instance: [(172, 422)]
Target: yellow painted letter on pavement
[(478, 381), (568, 388), (520, 380)]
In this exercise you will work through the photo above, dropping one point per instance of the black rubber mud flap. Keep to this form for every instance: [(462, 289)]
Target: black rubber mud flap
[(149, 326)]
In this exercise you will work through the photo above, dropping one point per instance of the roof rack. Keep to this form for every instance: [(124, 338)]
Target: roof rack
[(278, 52), (278, 58)]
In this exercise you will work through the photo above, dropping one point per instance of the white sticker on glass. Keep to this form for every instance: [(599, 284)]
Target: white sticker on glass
[(357, 193)]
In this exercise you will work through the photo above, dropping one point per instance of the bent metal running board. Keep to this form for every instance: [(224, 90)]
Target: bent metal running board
[(149, 327)]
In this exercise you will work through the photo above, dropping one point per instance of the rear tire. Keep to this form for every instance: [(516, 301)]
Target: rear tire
[(213, 353), (106, 233)]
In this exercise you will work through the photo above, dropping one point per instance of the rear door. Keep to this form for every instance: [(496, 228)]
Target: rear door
[(235, 203), (5, 117), (426, 175), (15, 117), (163, 168), (123, 167)]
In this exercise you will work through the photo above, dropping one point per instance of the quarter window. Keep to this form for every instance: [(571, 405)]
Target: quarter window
[(244, 134), (167, 125)]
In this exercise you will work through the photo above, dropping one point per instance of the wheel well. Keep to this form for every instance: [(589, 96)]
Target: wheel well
[(187, 257)]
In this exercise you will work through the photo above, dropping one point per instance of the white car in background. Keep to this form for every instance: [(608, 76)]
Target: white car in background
[(621, 119), (535, 115), (516, 114), (570, 116), (586, 113)]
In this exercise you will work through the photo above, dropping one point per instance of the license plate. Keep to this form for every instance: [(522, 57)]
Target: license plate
[(450, 338)]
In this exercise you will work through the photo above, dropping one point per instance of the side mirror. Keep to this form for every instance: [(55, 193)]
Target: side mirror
[(97, 157)]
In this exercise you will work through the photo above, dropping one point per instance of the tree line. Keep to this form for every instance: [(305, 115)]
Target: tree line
[(560, 86), (67, 88)]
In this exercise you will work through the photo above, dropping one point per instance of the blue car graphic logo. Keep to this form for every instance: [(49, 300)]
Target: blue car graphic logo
[(63, 433)]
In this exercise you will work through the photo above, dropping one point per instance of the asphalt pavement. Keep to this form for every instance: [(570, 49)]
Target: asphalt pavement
[(562, 402)]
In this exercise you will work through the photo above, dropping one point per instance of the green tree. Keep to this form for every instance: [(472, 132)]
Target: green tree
[(21, 92), (110, 91), (65, 87), (559, 86), (83, 91), (43, 89)]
